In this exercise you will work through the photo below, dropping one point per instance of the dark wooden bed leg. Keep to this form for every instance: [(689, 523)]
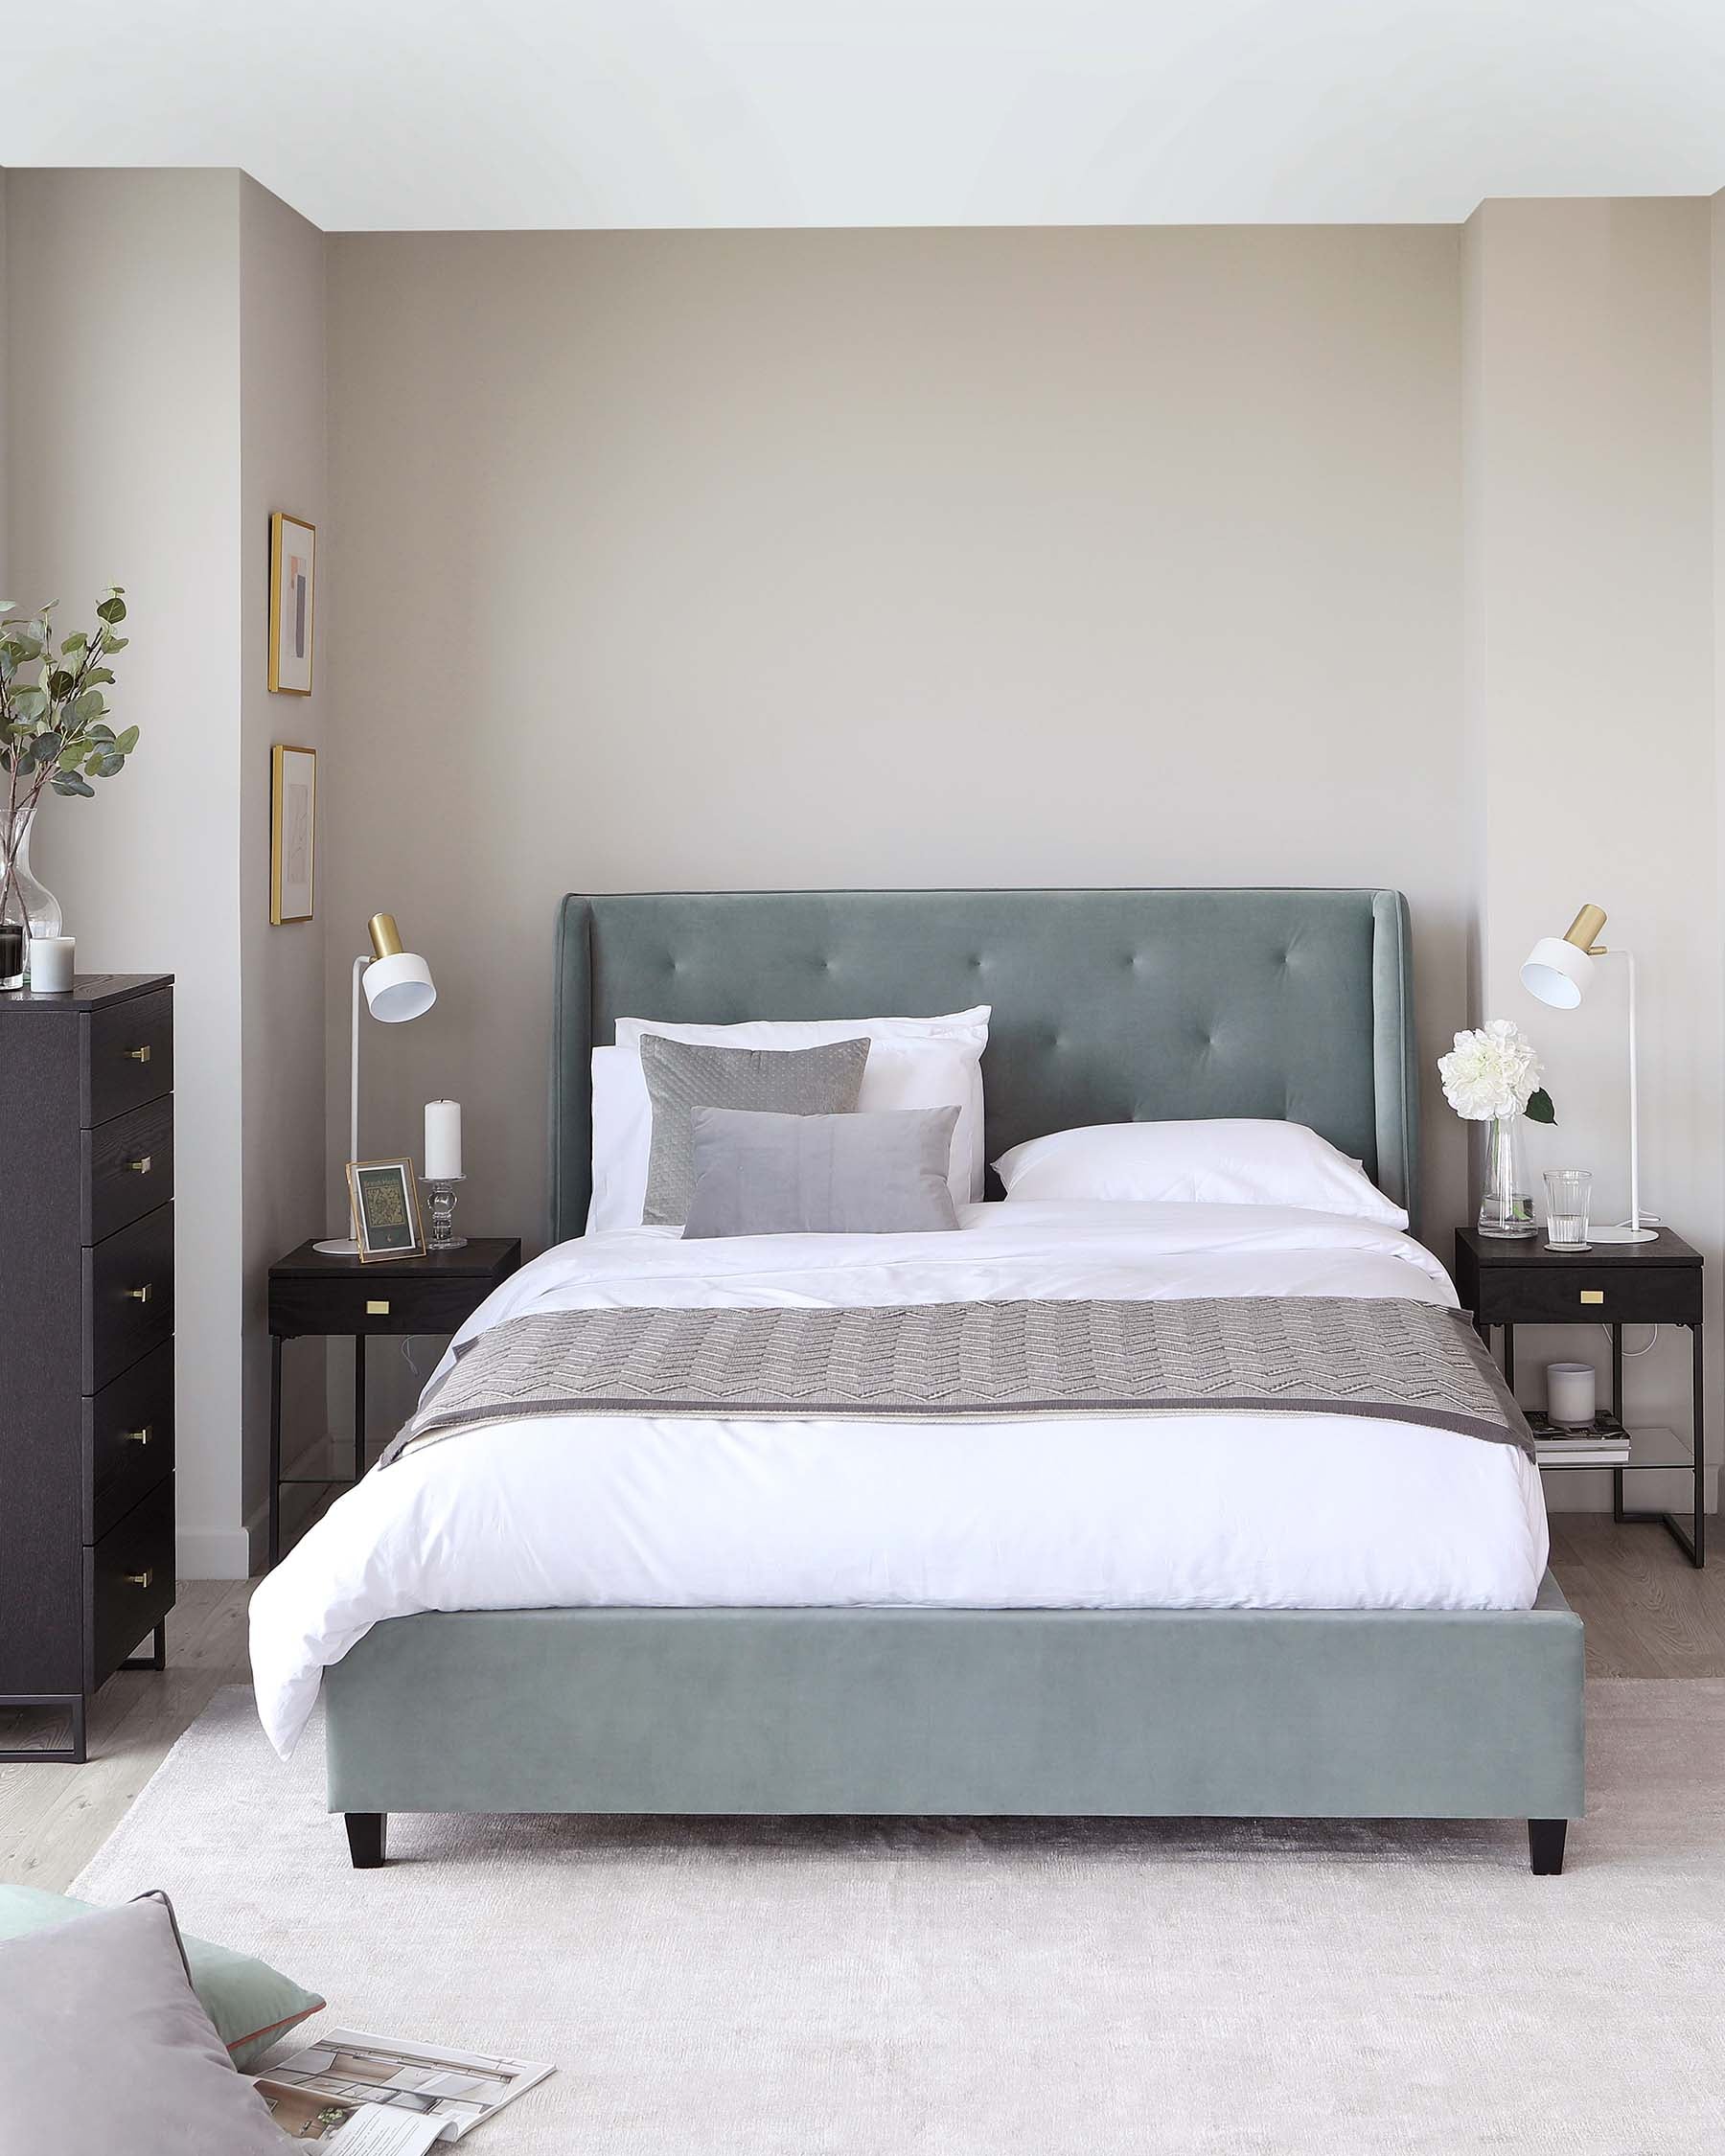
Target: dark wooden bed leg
[(1545, 1845), (366, 1832)]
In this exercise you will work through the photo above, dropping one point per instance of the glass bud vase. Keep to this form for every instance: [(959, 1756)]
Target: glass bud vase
[(1506, 1203), (27, 906)]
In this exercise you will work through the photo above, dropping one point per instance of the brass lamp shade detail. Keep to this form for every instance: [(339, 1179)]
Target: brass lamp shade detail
[(386, 938), (1583, 932)]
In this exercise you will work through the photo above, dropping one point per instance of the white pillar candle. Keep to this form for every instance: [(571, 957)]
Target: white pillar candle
[(443, 1140), (51, 964), (1569, 1393)]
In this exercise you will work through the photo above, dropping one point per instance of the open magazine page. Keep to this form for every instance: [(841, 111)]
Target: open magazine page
[(344, 2089)]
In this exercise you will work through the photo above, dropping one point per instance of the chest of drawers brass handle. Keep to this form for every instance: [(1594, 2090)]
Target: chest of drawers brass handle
[(139, 1579), (1592, 1295), (138, 1055), (139, 1437), (141, 1166), (139, 1295)]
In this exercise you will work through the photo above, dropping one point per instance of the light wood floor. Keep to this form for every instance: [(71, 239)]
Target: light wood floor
[(1648, 1612)]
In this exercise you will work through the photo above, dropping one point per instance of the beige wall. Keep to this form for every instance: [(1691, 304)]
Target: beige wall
[(165, 362), (876, 558), (125, 451), (283, 464), (1593, 717)]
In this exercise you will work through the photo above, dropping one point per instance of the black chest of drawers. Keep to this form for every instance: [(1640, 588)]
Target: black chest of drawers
[(86, 1338)]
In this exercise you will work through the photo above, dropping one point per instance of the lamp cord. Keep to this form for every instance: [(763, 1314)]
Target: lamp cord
[(1634, 1354)]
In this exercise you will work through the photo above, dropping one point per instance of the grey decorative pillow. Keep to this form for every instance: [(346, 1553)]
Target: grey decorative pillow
[(153, 2076), (879, 1174), (681, 1077)]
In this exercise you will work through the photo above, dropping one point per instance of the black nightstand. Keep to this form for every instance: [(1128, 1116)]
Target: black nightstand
[(312, 1291), (1615, 1284)]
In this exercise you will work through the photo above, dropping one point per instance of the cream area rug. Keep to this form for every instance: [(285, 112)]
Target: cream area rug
[(941, 1988)]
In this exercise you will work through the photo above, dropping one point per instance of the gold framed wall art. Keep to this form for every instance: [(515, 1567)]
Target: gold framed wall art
[(293, 831), (292, 603)]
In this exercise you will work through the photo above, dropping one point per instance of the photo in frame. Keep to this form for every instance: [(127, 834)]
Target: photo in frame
[(293, 831), (293, 597), (384, 1198)]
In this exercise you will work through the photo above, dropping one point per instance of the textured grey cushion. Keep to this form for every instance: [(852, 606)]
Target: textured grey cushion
[(879, 1174), (681, 1077), (104, 2046), (252, 2005)]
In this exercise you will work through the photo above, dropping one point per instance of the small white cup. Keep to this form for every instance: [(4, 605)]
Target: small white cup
[(1570, 1391), (51, 964)]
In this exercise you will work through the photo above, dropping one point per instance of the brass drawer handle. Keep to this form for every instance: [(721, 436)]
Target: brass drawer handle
[(1592, 1295), (139, 1579), (138, 1055), (138, 1436), (139, 1295), (140, 1166), (377, 1309)]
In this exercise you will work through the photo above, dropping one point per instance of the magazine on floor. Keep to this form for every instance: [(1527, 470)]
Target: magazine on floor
[(359, 2095)]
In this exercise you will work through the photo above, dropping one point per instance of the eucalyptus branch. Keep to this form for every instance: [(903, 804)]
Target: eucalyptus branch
[(54, 730)]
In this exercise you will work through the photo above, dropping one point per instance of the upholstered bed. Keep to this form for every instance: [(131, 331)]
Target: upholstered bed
[(1109, 1006)]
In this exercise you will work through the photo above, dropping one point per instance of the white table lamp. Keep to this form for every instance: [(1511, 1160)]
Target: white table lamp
[(398, 986), (1558, 971)]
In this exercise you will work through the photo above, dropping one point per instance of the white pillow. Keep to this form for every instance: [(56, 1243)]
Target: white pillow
[(623, 1114), (899, 1074), (1225, 1162)]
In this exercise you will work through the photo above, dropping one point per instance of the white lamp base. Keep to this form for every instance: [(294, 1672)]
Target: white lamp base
[(339, 1246), (1623, 1234)]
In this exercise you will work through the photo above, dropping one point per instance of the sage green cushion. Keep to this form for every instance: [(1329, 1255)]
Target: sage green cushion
[(252, 2005)]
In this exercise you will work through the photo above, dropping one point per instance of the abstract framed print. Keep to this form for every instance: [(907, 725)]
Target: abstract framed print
[(293, 831), (384, 1197), (292, 593)]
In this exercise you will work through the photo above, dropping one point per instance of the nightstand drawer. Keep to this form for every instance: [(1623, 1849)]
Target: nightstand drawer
[(1576, 1291), (426, 1302), (127, 1168), (129, 1297), (128, 1440), (131, 1056), (129, 1582)]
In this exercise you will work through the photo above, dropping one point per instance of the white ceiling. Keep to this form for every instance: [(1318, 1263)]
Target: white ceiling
[(434, 114)]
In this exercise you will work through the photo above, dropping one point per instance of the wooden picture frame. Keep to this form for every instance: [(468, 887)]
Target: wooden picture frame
[(292, 833), (383, 1197), (292, 603)]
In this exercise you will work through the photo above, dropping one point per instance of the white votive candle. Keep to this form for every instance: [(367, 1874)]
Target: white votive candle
[(443, 1140), (1570, 1394), (51, 964)]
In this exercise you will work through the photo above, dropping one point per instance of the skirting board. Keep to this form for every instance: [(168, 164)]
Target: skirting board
[(213, 1552), (1292, 1713)]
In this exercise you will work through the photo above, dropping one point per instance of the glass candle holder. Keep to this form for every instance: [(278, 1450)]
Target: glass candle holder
[(443, 1235), (1568, 1193)]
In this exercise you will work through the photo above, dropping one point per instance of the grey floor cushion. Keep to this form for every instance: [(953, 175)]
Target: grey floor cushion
[(252, 2005), (682, 1076), (878, 1174), (105, 2046)]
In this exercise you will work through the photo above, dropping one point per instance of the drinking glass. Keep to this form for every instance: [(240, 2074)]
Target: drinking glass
[(1567, 1191)]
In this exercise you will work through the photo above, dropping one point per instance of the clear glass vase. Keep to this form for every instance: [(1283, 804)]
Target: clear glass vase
[(27, 906), (1506, 1203)]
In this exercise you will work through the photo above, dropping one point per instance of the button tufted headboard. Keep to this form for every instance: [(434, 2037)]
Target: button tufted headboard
[(1109, 1006)]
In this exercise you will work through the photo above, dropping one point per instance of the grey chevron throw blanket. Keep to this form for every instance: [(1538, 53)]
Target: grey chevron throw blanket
[(954, 1361)]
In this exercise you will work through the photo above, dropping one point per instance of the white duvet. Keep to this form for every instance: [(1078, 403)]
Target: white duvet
[(1171, 1511)]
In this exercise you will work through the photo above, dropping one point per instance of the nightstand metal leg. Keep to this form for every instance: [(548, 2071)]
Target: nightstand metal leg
[(359, 1405), (275, 1448), (1510, 1357), (1698, 1436), (1616, 1409)]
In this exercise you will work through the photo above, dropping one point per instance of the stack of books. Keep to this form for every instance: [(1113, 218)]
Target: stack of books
[(1606, 1445)]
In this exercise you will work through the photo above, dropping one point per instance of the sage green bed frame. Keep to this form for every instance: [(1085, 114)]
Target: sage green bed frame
[(1108, 1006)]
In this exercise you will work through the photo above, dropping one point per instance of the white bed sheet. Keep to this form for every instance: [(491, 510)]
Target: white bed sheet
[(1166, 1511)]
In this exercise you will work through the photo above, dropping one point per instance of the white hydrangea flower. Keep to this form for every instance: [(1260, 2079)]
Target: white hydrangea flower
[(1491, 1072)]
